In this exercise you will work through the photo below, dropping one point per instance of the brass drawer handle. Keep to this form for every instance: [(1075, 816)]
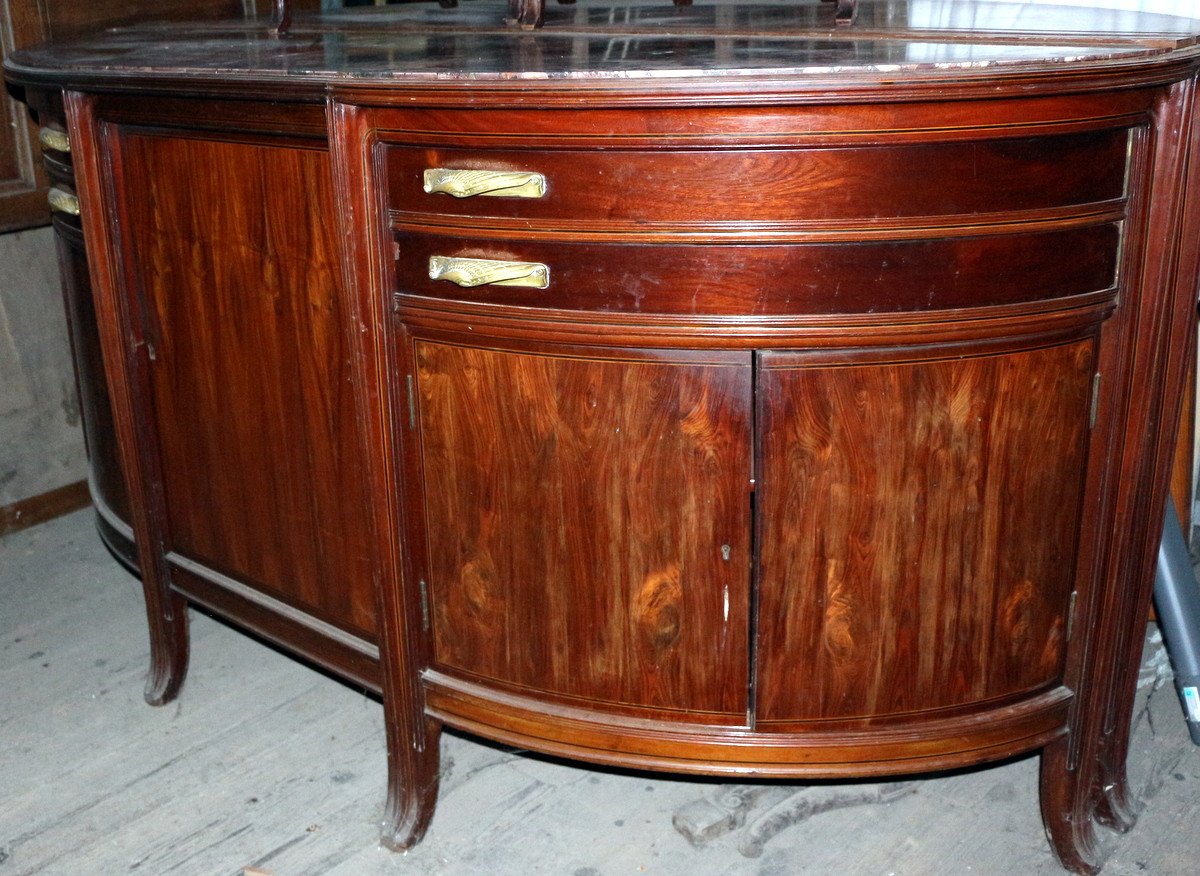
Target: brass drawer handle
[(52, 138), (489, 183), (63, 202), (487, 272)]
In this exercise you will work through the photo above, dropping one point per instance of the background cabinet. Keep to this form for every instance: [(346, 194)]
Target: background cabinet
[(23, 183)]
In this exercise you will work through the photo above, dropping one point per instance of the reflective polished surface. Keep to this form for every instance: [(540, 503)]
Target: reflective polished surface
[(628, 41)]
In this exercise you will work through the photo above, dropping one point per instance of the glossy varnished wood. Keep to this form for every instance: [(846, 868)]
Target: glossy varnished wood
[(892, 374), (638, 190), (748, 280), (917, 526), (585, 522), (248, 370)]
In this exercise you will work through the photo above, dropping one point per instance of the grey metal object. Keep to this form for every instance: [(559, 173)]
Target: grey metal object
[(1177, 602)]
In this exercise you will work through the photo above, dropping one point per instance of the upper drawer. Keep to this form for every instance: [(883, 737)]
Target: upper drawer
[(624, 190)]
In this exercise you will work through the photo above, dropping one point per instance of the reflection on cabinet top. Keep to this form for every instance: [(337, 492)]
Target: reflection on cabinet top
[(611, 44)]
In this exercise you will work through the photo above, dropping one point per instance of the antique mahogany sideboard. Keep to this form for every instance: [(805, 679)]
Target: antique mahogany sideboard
[(709, 389)]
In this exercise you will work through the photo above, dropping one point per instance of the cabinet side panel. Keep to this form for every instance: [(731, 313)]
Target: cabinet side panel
[(586, 523), (918, 526), (232, 245), (108, 483)]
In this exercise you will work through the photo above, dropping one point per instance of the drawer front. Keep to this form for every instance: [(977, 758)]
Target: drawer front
[(819, 278), (620, 189)]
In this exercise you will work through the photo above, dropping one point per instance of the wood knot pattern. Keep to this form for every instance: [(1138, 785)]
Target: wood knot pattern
[(658, 611)]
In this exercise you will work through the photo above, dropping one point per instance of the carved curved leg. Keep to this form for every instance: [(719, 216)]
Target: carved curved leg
[(412, 788), (125, 365), (1067, 813), (168, 645), (1117, 808)]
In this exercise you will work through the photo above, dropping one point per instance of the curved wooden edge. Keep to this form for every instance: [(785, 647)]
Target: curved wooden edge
[(1025, 326), (730, 750), (412, 791), (1070, 823), (125, 362), (1118, 809), (115, 533), (169, 651)]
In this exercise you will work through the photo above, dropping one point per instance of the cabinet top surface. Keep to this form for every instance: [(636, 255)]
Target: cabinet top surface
[(631, 43)]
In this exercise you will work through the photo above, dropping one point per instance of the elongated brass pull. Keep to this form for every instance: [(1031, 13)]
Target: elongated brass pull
[(52, 138), (63, 202), (488, 272), (488, 183)]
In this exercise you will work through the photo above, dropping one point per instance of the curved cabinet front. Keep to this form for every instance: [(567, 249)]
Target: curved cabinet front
[(106, 483), (730, 424), (789, 466)]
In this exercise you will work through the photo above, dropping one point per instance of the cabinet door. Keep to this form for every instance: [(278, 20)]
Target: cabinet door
[(250, 402), (585, 522), (918, 527)]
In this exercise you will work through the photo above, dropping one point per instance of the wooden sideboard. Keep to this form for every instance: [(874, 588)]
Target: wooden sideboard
[(756, 397)]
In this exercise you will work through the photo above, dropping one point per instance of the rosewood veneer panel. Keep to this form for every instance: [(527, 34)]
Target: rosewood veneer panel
[(250, 371), (587, 523), (918, 529)]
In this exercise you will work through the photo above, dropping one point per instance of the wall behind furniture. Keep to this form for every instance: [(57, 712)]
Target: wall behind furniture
[(41, 443)]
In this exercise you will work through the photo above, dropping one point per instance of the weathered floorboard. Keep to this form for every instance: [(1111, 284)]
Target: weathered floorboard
[(276, 767)]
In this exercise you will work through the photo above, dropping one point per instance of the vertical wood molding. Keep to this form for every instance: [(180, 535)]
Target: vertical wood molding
[(125, 360)]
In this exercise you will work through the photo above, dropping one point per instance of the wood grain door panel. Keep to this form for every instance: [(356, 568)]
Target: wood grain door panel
[(586, 522), (250, 373), (918, 529)]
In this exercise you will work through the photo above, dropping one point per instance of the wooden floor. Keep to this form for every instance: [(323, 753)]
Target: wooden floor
[(277, 769)]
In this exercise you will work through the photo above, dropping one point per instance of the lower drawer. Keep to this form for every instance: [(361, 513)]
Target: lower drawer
[(777, 279)]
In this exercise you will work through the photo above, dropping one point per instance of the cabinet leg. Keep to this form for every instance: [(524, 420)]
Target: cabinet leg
[(1117, 808), (1067, 813), (412, 787), (167, 614)]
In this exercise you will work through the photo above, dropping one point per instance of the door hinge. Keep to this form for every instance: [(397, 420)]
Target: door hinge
[(1071, 614), (412, 403), (1095, 400), (424, 606)]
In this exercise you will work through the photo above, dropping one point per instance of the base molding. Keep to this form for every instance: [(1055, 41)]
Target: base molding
[(43, 507)]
